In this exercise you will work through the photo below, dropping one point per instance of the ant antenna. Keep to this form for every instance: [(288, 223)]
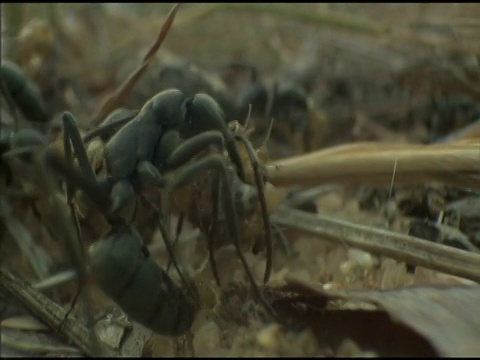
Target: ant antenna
[(216, 189), (270, 102), (269, 132), (178, 231), (247, 120), (163, 226)]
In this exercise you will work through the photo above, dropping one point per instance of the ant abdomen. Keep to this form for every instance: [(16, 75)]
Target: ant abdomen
[(138, 285)]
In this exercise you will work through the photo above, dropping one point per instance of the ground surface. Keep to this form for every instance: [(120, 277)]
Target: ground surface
[(380, 72)]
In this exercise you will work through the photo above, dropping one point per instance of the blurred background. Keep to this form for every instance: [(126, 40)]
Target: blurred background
[(326, 73), (369, 69)]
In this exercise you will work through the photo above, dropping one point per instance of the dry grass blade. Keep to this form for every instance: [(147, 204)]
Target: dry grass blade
[(49, 312), (64, 226), (398, 246), (114, 100), (374, 163), (38, 258), (470, 131), (65, 230), (56, 280)]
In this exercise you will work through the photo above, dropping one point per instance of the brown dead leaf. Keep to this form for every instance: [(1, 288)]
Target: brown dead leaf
[(415, 321)]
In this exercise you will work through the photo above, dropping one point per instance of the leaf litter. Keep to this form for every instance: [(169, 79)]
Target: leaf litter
[(335, 292)]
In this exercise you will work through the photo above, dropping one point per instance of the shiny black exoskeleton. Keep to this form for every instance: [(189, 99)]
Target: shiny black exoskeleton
[(166, 133)]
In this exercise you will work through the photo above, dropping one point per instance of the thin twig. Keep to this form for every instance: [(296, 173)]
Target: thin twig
[(397, 246), (50, 313)]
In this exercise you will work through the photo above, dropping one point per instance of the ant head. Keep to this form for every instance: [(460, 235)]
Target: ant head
[(290, 104), (202, 113), (166, 107)]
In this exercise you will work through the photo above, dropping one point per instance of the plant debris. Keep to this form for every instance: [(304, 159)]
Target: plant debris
[(364, 121)]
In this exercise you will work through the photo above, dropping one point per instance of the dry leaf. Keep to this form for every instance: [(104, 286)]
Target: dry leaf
[(413, 321)]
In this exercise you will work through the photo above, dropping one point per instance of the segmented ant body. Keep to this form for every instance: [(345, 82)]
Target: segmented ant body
[(118, 261), (155, 148), (167, 132), (124, 272)]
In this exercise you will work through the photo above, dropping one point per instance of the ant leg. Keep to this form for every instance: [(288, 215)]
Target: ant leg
[(177, 237), (51, 160), (217, 163), (64, 228), (70, 131), (121, 192), (10, 102), (78, 179), (173, 153), (191, 147), (111, 124), (183, 153), (212, 229), (168, 245), (204, 114), (30, 146), (178, 156), (73, 134), (263, 205)]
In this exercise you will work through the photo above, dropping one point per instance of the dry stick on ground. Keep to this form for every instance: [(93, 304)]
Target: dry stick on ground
[(49, 312), (456, 163), (374, 163), (383, 242)]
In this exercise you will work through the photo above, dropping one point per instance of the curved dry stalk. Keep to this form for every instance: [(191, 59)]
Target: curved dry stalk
[(197, 12), (115, 99), (374, 162)]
